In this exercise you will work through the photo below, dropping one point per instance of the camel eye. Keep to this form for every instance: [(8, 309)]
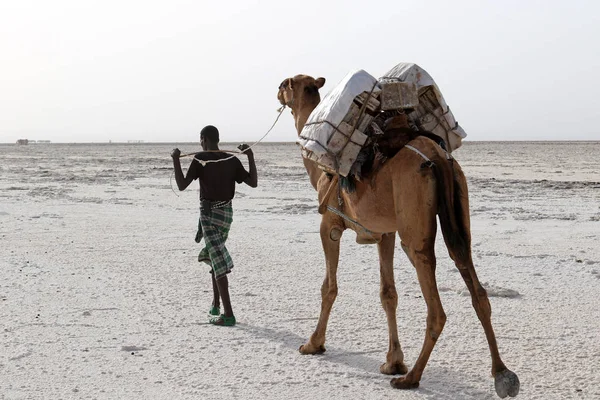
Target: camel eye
[(284, 84)]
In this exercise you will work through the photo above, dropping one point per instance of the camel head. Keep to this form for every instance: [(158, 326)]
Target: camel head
[(300, 90), (301, 95)]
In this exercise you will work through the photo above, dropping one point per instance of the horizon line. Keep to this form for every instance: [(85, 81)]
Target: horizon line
[(138, 142)]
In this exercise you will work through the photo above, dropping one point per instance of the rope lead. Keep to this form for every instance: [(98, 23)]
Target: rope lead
[(204, 162)]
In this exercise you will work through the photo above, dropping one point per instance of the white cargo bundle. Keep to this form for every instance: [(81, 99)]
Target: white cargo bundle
[(332, 134), (432, 114), (335, 131)]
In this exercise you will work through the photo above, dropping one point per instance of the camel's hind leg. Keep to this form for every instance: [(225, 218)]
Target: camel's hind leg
[(424, 262), (415, 211), (506, 381), (330, 238), (389, 300)]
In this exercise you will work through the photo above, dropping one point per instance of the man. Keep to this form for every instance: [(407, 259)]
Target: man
[(217, 172)]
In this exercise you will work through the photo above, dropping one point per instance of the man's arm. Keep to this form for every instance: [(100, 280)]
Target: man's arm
[(252, 179), (182, 182)]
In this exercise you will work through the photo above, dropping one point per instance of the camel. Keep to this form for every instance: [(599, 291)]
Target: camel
[(405, 195)]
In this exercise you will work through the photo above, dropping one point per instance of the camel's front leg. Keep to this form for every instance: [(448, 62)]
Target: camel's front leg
[(389, 300), (330, 237)]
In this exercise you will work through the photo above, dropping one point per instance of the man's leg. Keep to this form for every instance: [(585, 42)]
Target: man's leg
[(223, 290), (216, 229), (216, 302), (221, 263)]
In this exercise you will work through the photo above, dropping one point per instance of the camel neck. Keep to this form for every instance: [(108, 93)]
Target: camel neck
[(302, 110), (301, 115)]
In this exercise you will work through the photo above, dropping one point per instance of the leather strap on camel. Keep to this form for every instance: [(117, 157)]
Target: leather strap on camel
[(427, 163), (325, 199)]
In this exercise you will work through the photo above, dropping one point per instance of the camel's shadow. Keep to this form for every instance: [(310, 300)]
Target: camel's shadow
[(435, 389), (292, 341)]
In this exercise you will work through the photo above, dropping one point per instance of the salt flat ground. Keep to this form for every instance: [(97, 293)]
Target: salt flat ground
[(101, 296)]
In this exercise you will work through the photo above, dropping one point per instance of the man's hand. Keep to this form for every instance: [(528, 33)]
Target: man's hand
[(244, 148), (252, 179), (175, 153)]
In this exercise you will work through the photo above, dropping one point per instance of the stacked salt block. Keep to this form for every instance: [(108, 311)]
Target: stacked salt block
[(431, 113), (398, 96)]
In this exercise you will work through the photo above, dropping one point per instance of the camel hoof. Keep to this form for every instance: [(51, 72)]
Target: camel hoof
[(310, 349), (393, 369), (507, 384), (403, 383)]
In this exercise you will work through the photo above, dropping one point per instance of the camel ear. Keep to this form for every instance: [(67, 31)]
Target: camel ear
[(320, 82)]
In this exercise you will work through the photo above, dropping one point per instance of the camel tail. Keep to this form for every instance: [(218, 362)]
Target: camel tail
[(451, 211)]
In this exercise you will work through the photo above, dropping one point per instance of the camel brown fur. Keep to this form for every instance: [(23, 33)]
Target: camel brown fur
[(404, 195)]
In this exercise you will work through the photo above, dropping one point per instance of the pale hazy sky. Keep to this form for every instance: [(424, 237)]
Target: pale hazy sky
[(94, 71)]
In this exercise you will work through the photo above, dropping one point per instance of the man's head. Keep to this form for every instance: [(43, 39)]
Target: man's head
[(209, 135)]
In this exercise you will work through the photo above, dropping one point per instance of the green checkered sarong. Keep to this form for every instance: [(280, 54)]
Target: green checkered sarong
[(214, 226)]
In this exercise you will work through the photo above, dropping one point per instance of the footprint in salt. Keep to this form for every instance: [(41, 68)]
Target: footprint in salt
[(495, 291), (132, 348)]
